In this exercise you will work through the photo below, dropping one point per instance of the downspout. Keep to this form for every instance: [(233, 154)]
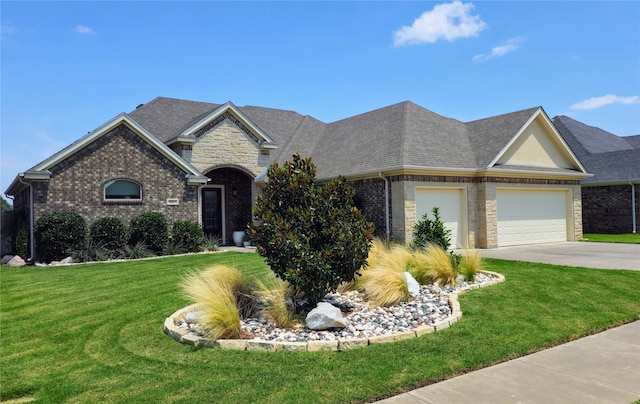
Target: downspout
[(633, 205), (386, 204), (31, 216)]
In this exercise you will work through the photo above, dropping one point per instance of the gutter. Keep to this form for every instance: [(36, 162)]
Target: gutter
[(633, 205), (31, 216), (386, 204)]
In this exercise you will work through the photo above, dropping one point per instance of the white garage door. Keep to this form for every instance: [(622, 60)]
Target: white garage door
[(453, 207), (530, 217)]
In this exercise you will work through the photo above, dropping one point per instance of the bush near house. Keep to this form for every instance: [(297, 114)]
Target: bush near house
[(150, 229), (311, 236), (187, 236), (109, 232), (428, 231), (58, 233)]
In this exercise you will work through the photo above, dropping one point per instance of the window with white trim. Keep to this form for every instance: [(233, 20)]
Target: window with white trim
[(122, 190)]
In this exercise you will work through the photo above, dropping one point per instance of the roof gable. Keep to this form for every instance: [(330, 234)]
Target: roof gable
[(223, 112), (192, 174), (537, 144)]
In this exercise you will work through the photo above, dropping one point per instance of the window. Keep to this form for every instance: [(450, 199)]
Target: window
[(122, 190)]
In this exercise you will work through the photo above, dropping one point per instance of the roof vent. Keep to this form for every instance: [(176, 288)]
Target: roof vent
[(139, 106)]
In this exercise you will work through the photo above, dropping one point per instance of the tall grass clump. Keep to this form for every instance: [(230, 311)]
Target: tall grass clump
[(276, 304), (384, 286), (214, 290), (470, 264), (441, 269)]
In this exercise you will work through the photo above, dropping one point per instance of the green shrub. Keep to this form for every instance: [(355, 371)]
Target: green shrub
[(136, 251), (149, 228), (58, 234), (93, 252), (428, 231), (187, 236), (311, 236), (110, 233), (21, 239)]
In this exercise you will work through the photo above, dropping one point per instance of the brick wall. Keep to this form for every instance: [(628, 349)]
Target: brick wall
[(77, 183), (370, 194), (607, 209)]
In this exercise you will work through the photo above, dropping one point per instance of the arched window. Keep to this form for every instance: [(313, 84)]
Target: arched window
[(122, 190)]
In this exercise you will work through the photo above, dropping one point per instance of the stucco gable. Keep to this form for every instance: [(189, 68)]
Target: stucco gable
[(537, 144)]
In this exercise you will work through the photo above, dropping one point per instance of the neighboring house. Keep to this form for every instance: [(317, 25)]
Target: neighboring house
[(611, 198), (505, 180)]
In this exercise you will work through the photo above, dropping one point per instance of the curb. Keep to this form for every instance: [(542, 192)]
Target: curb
[(189, 338)]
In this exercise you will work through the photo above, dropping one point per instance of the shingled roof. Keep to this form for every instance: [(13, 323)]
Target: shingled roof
[(403, 135), (612, 159)]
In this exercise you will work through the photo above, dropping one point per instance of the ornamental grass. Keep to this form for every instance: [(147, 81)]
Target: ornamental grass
[(470, 264), (214, 289)]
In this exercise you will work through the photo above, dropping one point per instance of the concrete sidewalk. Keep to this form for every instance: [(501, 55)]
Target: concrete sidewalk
[(600, 368)]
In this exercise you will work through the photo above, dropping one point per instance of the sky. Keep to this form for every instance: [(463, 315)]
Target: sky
[(68, 67)]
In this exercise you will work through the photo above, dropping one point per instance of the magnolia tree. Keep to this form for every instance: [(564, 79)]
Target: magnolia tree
[(311, 235)]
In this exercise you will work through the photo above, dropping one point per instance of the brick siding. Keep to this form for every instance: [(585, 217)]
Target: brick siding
[(607, 209), (77, 182)]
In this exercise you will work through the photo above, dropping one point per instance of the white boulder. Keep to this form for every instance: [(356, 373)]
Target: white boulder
[(412, 285), (325, 316)]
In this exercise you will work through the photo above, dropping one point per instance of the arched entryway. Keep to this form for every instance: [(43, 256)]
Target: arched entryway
[(226, 201)]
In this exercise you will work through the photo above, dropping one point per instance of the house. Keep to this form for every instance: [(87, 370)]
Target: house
[(611, 198), (504, 180)]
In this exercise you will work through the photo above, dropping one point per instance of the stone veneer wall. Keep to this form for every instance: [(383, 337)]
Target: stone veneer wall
[(608, 209), (227, 143), (77, 183)]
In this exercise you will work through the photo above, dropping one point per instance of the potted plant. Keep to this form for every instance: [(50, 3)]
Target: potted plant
[(246, 241), (240, 233)]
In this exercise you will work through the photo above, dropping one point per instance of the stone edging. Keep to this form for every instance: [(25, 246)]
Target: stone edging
[(190, 338)]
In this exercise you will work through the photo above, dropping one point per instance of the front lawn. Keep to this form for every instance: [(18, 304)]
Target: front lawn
[(631, 238), (93, 333)]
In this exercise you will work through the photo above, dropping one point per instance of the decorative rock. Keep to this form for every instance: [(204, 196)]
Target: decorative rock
[(324, 317), (67, 261), (192, 317), (6, 259), (412, 285), (16, 261)]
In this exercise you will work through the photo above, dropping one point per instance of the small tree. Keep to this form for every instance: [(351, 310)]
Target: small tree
[(428, 231), (311, 236)]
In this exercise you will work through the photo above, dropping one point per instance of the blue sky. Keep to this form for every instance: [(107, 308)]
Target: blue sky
[(68, 67)]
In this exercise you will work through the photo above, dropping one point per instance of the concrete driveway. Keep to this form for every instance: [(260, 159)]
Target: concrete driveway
[(579, 254)]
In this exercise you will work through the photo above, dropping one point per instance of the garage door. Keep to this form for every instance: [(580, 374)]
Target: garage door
[(529, 217), (453, 207)]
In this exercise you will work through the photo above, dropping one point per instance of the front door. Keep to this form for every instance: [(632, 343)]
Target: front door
[(212, 211)]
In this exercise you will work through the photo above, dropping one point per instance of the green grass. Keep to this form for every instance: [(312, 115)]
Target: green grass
[(631, 238), (93, 333)]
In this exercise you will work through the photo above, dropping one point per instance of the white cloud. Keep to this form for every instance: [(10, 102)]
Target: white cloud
[(6, 30), (81, 29), (446, 21), (597, 102), (500, 50)]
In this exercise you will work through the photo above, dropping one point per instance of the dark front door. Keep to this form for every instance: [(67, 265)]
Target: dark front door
[(212, 211)]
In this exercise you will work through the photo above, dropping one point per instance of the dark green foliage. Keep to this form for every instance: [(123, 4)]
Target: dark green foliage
[(150, 229), (21, 240), (428, 231), (58, 234), (187, 236), (312, 236), (93, 251), (109, 233), (5, 205)]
